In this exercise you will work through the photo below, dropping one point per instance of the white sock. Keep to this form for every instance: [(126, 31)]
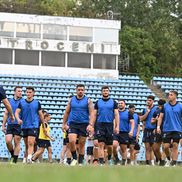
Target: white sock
[(29, 157), (152, 161), (132, 163)]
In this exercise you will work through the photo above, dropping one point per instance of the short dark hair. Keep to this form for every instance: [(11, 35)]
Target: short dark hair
[(80, 85), (131, 106), (122, 100), (30, 88), (17, 87), (161, 102), (105, 87), (174, 92), (151, 97)]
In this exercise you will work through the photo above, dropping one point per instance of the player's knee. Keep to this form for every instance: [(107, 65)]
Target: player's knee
[(175, 145), (96, 143), (8, 142)]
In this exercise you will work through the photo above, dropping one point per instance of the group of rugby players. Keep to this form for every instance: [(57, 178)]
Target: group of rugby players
[(112, 127)]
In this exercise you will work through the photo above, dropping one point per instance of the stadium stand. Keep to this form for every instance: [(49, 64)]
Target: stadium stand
[(169, 83)]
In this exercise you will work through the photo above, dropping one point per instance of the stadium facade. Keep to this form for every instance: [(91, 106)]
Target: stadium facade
[(59, 46)]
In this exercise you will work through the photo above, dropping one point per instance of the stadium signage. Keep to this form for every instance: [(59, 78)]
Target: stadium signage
[(55, 45)]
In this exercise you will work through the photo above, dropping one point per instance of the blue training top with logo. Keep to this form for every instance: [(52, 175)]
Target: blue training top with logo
[(105, 108), (14, 104), (137, 122), (124, 120), (29, 113), (79, 110), (148, 124), (172, 120), (2, 94)]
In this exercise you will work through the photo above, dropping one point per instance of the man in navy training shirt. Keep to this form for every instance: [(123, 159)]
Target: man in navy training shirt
[(133, 141), (31, 114), (13, 129), (6, 103), (148, 136), (125, 132), (158, 136), (106, 119), (171, 116), (80, 113)]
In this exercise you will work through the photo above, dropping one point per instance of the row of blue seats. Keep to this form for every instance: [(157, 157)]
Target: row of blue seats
[(167, 79)]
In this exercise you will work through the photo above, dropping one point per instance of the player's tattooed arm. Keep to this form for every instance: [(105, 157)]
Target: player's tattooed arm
[(159, 122)]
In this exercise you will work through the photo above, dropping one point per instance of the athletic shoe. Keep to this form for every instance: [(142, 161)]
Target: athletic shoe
[(11, 160), (162, 163), (123, 163), (132, 163), (29, 161), (110, 162), (167, 163), (73, 162), (24, 160), (173, 164), (117, 162)]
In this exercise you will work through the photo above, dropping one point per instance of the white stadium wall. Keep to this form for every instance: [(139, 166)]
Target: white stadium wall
[(59, 46), (59, 72)]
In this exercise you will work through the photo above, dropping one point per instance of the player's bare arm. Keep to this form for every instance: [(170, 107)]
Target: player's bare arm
[(8, 107), (65, 117), (116, 116), (18, 110), (159, 122), (5, 117), (132, 123)]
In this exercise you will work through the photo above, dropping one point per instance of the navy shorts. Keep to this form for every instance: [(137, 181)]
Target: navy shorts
[(104, 133), (30, 132), (137, 146), (13, 129), (78, 128), (122, 138), (173, 135), (148, 136), (90, 150), (158, 138), (132, 140), (44, 143)]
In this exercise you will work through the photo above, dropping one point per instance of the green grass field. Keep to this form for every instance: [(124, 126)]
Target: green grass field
[(57, 173)]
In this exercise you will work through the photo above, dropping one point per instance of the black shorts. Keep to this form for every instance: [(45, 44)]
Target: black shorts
[(173, 135), (44, 143), (66, 140), (104, 133), (122, 138), (13, 129), (30, 132), (90, 150), (148, 136), (137, 146), (78, 128), (132, 140), (158, 138)]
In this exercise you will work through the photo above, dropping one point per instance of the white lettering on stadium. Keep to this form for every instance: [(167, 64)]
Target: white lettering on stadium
[(56, 45)]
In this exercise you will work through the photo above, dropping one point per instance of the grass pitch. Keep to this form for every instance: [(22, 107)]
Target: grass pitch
[(58, 173)]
